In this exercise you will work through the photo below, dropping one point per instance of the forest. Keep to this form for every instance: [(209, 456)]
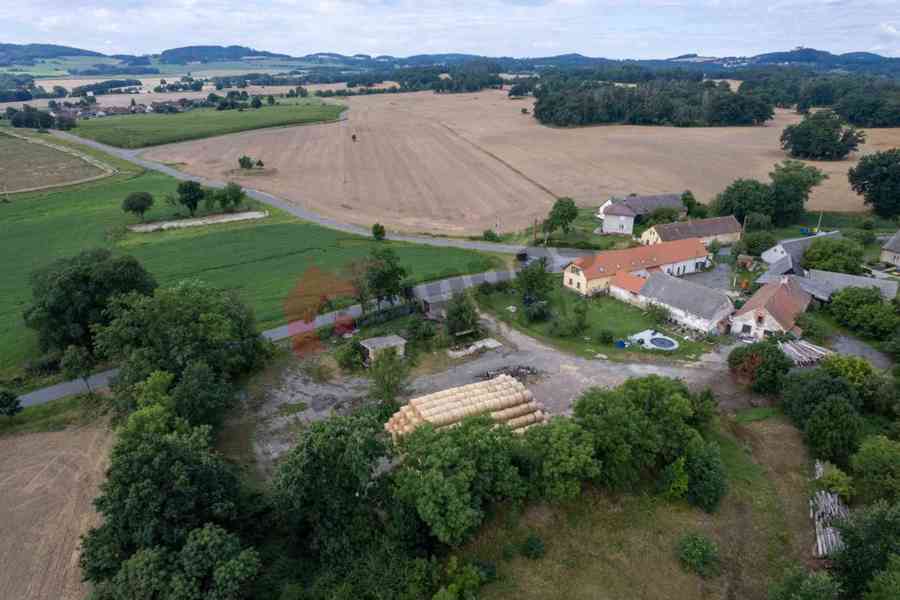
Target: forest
[(864, 101), (572, 101)]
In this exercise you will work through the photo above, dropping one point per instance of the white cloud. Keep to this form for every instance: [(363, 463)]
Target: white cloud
[(613, 28)]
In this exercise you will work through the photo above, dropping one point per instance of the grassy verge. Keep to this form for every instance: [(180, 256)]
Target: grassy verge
[(263, 261), (608, 545), (604, 313), (53, 416), (140, 131)]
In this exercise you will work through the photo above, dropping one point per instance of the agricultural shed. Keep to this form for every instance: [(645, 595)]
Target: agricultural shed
[(724, 230), (504, 398), (376, 345)]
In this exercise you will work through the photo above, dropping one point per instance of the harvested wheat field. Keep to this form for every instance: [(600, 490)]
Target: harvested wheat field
[(460, 163), (33, 164), (47, 484)]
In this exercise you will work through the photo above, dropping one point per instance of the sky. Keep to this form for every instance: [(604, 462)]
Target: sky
[(521, 28)]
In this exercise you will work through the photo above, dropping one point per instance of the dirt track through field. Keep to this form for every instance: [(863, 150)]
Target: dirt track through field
[(462, 163), (47, 485)]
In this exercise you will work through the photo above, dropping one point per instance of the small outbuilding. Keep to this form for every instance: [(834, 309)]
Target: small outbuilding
[(890, 252), (376, 345)]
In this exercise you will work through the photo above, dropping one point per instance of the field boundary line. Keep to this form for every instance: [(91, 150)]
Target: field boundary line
[(108, 170), (518, 172)]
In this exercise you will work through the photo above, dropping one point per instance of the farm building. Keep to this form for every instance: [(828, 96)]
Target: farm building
[(376, 345), (620, 214), (787, 256), (689, 304), (504, 398), (890, 252), (591, 275), (774, 308), (821, 285), (724, 230)]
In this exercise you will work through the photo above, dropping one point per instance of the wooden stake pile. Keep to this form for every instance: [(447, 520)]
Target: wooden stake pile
[(503, 398), (825, 508), (803, 353)]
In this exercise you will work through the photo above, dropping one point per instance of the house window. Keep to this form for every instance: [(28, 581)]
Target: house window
[(578, 285), (746, 329), (570, 281)]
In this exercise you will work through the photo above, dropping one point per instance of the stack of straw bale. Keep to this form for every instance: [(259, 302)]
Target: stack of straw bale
[(503, 398)]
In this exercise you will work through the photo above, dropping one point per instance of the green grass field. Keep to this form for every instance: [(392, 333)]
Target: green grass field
[(140, 131), (621, 319), (261, 260)]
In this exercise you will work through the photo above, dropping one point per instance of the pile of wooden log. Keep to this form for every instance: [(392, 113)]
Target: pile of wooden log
[(503, 398), (825, 508), (803, 353)]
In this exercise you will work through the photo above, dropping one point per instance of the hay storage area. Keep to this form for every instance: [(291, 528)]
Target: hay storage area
[(503, 398)]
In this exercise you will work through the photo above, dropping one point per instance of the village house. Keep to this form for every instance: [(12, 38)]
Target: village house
[(724, 230), (590, 275), (890, 252), (774, 308), (689, 304), (787, 256), (619, 214)]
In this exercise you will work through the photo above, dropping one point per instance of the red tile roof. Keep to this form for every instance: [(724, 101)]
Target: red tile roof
[(628, 282), (785, 300), (607, 264)]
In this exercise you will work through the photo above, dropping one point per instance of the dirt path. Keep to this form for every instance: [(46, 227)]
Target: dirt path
[(48, 482)]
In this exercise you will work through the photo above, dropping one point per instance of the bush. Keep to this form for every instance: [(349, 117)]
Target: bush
[(560, 457), (533, 547), (698, 554), (9, 403), (378, 232), (835, 481), (674, 482), (886, 584), (46, 364), (804, 391), (833, 430), (658, 314), (877, 469), (834, 254), (707, 481), (870, 535), (421, 331), (462, 316), (757, 242), (537, 311), (349, 356), (606, 337), (763, 364), (812, 329), (800, 585), (490, 235)]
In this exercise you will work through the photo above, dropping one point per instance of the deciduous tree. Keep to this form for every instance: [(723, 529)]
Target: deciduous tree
[(877, 179), (138, 203), (70, 296)]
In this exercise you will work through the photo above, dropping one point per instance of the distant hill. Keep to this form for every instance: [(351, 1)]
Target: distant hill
[(189, 54), (27, 53), (809, 58)]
